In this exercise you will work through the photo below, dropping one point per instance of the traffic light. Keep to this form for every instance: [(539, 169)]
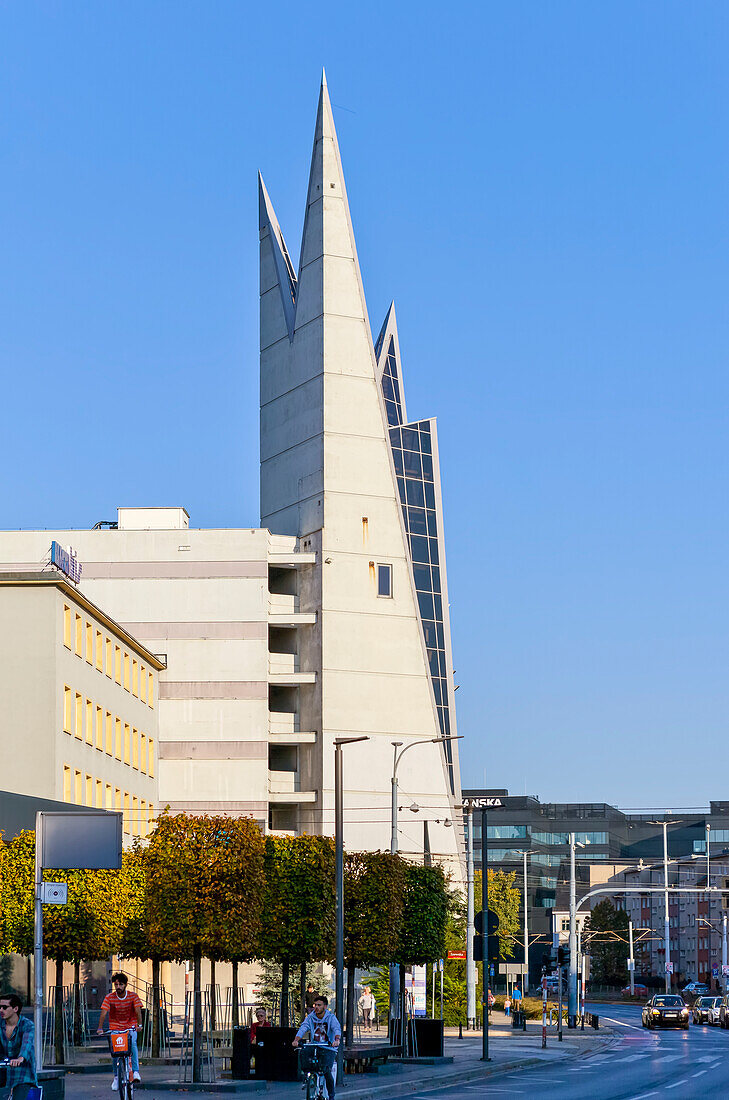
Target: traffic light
[(491, 946), (563, 956)]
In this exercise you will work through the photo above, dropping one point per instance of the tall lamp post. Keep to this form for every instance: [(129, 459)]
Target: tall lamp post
[(339, 881), (397, 757), (572, 988), (666, 916)]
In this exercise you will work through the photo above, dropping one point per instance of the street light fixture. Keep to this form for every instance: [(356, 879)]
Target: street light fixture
[(666, 917), (395, 970), (339, 743)]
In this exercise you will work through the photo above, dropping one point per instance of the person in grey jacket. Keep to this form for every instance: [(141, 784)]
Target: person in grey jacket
[(321, 1026)]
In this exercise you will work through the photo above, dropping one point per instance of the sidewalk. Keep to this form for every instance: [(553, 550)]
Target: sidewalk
[(509, 1049)]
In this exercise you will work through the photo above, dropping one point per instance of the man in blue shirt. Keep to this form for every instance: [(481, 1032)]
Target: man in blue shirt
[(321, 1026), (17, 1044)]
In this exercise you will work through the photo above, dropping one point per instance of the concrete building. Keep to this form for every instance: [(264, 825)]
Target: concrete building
[(331, 620), (695, 919), (345, 475), (79, 715)]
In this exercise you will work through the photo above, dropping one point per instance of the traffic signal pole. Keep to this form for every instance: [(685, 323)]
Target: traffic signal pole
[(485, 911), (470, 965)]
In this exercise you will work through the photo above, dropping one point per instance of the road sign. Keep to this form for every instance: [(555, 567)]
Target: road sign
[(715, 971), (54, 893), (513, 968), (456, 954)]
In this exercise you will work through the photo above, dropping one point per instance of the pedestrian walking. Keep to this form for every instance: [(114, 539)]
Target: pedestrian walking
[(367, 1007)]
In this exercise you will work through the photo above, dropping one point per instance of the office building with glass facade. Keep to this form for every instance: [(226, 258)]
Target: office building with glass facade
[(608, 840)]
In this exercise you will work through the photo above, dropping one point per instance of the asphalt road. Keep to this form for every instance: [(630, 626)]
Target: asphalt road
[(639, 1064)]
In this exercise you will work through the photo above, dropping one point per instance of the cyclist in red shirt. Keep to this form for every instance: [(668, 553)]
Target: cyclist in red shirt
[(125, 1014)]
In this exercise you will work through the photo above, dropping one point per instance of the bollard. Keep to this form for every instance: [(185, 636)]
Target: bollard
[(460, 1031)]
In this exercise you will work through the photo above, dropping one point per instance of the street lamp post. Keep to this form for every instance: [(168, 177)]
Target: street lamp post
[(572, 993), (397, 757), (525, 971), (666, 916), (339, 881)]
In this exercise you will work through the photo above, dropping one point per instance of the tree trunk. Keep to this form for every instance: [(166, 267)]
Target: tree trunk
[(234, 994), (77, 1003), (284, 994), (197, 1028), (213, 1005), (349, 1030), (302, 991), (156, 1008), (58, 1020)]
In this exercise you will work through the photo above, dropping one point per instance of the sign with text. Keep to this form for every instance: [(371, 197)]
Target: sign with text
[(416, 986), (65, 561), (457, 955)]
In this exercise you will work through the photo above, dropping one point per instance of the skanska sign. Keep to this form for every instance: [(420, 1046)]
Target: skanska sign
[(482, 803)]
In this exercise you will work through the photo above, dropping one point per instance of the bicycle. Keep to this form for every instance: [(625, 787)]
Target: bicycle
[(120, 1048), (316, 1059)]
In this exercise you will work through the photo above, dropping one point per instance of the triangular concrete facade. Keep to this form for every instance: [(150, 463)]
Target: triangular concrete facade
[(327, 477)]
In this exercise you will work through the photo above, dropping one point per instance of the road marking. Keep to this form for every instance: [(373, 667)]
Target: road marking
[(699, 1074), (677, 1083), (644, 1094), (621, 1023)]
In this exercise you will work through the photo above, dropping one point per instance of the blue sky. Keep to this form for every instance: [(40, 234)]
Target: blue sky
[(542, 189)]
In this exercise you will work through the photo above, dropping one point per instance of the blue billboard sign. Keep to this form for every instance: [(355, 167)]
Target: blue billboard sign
[(66, 561)]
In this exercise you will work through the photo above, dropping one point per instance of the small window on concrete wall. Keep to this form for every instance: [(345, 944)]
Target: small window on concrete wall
[(384, 581)]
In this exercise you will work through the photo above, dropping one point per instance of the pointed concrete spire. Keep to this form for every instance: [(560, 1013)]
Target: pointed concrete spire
[(276, 268), (329, 275), (388, 344), (389, 325)]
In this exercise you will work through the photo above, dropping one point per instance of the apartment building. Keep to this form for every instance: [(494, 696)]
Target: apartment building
[(79, 716)]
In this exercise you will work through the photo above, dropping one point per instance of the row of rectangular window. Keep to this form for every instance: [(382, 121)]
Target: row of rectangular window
[(88, 722), (104, 654), (82, 789)]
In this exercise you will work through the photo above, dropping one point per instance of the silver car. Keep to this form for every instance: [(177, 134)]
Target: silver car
[(705, 1010)]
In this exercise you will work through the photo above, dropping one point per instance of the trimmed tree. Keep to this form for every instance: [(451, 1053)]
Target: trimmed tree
[(609, 953), (204, 885), (374, 890), (298, 905), (88, 927)]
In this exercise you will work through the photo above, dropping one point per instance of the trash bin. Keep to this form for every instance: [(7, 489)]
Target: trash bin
[(276, 1059), (428, 1036), (240, 1062)]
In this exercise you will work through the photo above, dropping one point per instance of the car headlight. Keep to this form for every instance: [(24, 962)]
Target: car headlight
[(684, 1012), (656, 1012)]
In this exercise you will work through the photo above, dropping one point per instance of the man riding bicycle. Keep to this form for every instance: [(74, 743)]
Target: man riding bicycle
[(125, 1014), (321, 1026)]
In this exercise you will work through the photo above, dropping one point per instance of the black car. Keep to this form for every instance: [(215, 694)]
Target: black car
[(666, 1010)]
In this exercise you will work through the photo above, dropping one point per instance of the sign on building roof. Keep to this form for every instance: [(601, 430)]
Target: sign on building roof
[(66, 561)]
